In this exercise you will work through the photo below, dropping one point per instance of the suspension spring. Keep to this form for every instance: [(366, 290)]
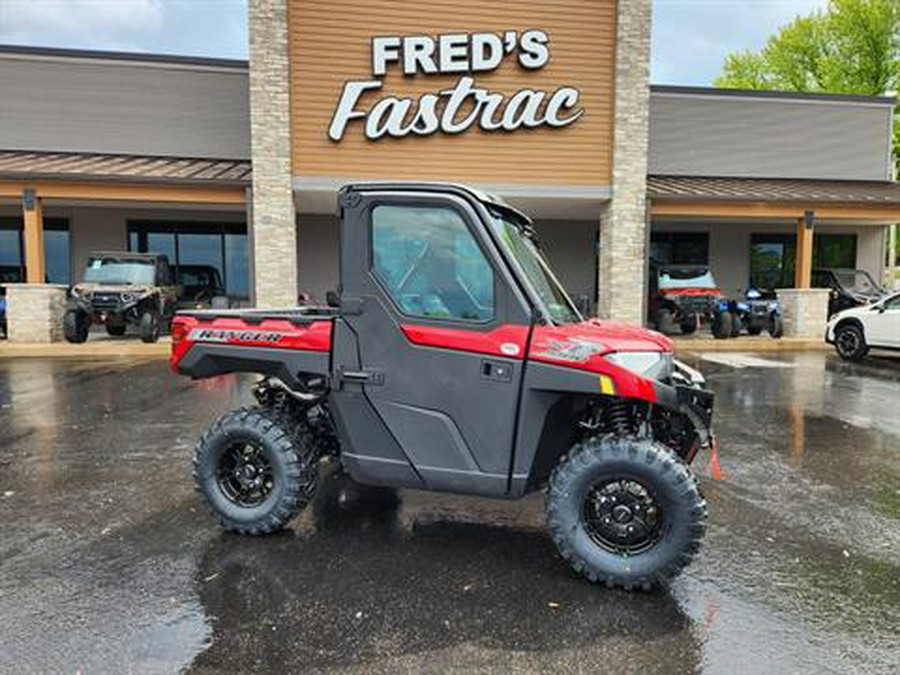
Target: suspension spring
[(619, 418)]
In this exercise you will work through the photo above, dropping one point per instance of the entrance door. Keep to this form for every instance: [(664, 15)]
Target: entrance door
[(441, 333)]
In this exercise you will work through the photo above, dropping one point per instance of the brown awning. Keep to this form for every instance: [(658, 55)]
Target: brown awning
[(696, 188), (18, 165)]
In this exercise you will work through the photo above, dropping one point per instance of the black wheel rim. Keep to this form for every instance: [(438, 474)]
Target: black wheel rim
[(847, 341), (622, 515), (245, 474)]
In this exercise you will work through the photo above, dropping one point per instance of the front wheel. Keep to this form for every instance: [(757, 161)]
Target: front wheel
[(625, 511), (850, 342), (149, 326), (776, 327), (256, 472), (76, 325)]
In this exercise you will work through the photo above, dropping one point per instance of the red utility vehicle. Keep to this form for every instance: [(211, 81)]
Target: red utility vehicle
[(453, 360)]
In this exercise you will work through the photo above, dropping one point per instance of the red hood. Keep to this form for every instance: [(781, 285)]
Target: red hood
[(583, 345), (604, 337)]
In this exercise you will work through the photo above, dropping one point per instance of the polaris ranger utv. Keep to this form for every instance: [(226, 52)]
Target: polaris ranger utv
[(453, 360)]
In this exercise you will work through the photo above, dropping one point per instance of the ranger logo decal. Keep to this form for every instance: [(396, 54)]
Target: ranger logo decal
[(231, 335)]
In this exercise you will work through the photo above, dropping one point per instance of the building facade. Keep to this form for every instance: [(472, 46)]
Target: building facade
[(548, 105)]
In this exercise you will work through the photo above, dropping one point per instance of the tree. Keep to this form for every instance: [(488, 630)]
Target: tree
[(852, 47)]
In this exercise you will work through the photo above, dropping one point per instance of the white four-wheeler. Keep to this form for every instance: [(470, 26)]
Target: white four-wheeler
[(854, 331)]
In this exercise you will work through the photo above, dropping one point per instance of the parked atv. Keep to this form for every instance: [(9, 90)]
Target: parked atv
[(456, 362), (757, 312), (119, 289), (686, 296)]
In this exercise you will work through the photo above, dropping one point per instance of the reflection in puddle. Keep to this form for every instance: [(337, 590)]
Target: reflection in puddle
[(338, 588)]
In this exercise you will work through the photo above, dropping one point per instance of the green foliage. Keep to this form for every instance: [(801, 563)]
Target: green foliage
[(853, 47)]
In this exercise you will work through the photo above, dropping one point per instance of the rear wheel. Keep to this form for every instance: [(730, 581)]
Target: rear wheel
[(737, 323), (850, 342), (665, 322), (625, 511), (149, 326), (115, 329), (76, 325), (255, 471), (776, 327), (722, 325)]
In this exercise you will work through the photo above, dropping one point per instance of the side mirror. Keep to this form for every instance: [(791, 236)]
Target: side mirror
[(332, 299)]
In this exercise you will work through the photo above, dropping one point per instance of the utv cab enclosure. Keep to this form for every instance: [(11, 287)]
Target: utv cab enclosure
[(456, 362)]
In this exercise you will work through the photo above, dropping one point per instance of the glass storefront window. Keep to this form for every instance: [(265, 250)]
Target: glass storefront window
[(56, 250), (222, 246), (237, 266), (772, 257), (679, 248)]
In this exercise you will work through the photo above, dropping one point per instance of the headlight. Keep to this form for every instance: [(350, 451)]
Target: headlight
[(127, 298), (653, 365)]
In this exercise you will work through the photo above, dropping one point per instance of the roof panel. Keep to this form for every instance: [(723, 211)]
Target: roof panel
[(133, 168)]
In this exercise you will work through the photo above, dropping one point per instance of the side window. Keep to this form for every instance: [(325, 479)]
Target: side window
[(893, 303), (430, 264)]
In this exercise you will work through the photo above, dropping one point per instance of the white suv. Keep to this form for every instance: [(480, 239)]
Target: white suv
[(855, 330)]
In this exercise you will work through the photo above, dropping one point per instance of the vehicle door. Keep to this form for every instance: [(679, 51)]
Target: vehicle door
[(882, 324), (441, 330)]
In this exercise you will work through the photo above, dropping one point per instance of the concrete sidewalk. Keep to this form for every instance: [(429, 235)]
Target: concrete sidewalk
[(97, 347), (103, 346)]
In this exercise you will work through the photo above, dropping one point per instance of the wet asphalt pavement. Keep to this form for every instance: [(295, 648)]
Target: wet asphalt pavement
[(109, 562)]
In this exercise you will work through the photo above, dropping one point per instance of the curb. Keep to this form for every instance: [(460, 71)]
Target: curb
[(752, 344)]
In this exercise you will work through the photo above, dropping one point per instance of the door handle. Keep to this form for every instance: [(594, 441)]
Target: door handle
[(361, 376), (499, 371)]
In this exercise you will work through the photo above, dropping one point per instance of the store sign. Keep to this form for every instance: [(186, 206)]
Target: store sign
[(454, 111)]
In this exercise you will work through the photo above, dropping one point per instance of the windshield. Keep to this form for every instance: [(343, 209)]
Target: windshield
[(686, 277), (111, 270), (529, 257), (857, 280)]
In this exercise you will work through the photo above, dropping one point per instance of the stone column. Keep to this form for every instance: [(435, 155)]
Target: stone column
[(804, 311), (624, 221), (273, 225), (34, 312)]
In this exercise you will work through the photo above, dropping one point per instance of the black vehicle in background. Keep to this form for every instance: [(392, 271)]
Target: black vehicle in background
[(202, 287), (9, 274), (119, 289), (849, 288)]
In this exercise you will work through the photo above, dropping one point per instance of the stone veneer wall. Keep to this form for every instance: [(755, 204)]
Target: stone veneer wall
[(34, 312), (804, 311), (273, 230), (624, 223)]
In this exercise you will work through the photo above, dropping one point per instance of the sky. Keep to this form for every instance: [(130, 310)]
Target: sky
[(690, 37)]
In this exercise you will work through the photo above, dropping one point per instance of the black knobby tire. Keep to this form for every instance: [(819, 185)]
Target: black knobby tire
[(754, 329), (722, 325), (115, 329), (776, 327), (645, 462), (850, 342), (149, 326), (289, 453), (665, 322), (737, 324), (689, 324), (76, 325)]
